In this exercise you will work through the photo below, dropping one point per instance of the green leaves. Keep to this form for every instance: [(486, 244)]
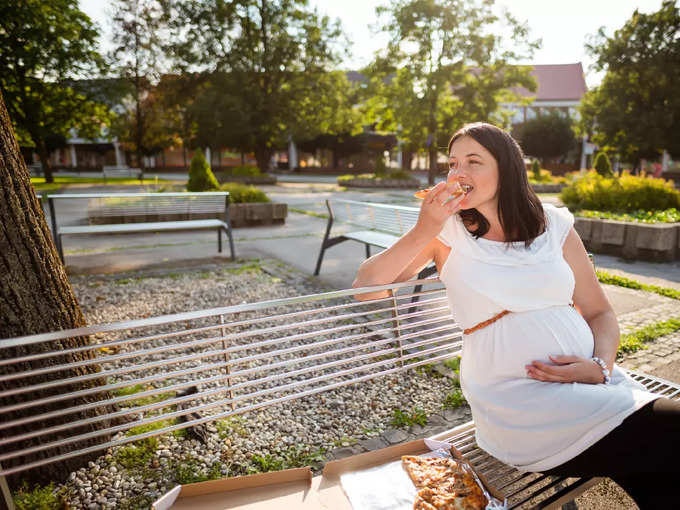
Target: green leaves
[(442, 68), (636, 109), (546, 136)]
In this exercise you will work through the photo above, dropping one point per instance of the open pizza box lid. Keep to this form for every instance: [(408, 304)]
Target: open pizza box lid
[(291, 488)]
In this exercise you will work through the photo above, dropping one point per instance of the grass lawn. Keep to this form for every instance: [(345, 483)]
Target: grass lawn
[(59, 182)]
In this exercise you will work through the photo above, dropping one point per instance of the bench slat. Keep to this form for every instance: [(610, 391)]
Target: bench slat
[(373, 238), (142, 227)]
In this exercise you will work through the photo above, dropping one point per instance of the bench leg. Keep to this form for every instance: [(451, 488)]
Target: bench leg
[(219, 240), (368, 251), (231, 244), (423, 274), (319, 260)]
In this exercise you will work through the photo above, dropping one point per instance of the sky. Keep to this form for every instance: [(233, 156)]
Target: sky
[(562, 26)]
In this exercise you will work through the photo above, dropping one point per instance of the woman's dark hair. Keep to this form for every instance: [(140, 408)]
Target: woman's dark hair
[(519, 209)]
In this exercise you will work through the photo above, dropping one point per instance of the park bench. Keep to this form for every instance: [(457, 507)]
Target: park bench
[(371, 224), (125, 213), (236, 359), (121, 171)]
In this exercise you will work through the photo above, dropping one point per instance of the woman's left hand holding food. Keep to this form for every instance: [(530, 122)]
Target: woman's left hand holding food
[(566, 369)]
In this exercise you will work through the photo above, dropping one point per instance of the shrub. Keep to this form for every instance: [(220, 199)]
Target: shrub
[(627, 193), (400, 174), (603, 165), (201, 177), (380, 166), (241, 194), (244, 171)]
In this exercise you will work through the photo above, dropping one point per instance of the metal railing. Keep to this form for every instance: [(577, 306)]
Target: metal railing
[(75, 392)]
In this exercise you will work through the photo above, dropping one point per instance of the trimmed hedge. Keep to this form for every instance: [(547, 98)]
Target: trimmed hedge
[(201, 177), (244, 171), (241, 194), (624, 194)]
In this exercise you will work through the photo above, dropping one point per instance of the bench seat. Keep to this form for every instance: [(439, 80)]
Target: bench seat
[(373, 238), (157, 226)]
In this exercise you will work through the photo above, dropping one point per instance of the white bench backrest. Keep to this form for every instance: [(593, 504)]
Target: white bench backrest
[(139, 204), (393, 219), (240, 357)]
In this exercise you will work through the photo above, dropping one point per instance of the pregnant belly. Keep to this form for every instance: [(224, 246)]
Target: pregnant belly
[(500, 351)]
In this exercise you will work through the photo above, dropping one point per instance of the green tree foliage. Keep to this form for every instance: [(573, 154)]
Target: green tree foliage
[(602, 165), (138, 30), (44, 45), (444, 66), (201, 177), (546, 136), (636, 109), (266, 74)]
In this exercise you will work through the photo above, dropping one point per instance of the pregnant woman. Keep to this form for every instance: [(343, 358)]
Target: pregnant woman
[(540, 337)]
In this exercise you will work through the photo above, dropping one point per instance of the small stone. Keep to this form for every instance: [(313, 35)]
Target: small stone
[(394, 436)]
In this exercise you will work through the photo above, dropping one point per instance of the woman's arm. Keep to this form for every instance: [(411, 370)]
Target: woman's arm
[(413, 251), (597, 312)]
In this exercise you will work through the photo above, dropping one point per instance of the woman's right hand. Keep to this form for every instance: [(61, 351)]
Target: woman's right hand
[(435, 209)]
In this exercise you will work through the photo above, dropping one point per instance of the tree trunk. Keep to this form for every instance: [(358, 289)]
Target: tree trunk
[(44, 155), (263, 157), (35, 297), (433, 170), (407, 159)]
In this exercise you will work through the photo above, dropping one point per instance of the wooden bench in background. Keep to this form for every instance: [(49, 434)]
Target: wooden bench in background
[(125, 213), (240, 358)]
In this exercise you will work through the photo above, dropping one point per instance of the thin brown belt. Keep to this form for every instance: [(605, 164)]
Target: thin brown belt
[(486, 322), (493, 319)]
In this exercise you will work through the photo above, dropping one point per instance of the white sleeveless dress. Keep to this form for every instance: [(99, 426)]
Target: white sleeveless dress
[(530, 424)]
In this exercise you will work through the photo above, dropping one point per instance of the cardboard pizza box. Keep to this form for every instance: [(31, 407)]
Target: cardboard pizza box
[(291, 488)]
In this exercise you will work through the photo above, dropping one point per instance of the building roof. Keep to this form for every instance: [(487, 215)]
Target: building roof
[(557, 82)]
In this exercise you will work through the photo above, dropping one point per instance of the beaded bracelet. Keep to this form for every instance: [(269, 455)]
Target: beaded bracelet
[(605, 370)]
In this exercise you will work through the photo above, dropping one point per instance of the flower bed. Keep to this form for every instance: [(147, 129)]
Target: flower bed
[(658, 242), (397, 179)]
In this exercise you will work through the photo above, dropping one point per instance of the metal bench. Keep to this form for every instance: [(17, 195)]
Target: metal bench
[(240, 358), (121, 171), (118, 213), (381, 226)]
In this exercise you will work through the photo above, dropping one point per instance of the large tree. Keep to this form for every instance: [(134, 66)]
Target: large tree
[(35, 297), (546, 136), (138, 35), (43, 46), (445, 65), (635, 111), (267, 63)]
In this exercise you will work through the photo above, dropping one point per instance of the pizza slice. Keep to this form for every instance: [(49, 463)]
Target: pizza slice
[(443, 484), (424, 471)]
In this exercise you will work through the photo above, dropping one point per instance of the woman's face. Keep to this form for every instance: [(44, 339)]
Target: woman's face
[(474, 166)]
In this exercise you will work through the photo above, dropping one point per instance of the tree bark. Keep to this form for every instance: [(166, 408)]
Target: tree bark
[(263, 157), (36, 297), (433, 170), (44, 155)]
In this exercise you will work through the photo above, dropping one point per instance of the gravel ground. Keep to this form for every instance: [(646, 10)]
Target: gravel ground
[(294, 433)]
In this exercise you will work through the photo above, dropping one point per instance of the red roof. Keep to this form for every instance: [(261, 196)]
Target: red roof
[(558, 82)]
